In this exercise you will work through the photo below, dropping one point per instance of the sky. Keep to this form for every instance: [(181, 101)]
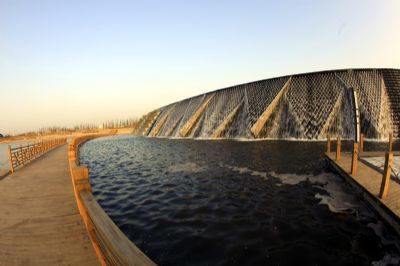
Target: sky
[(70, 62)]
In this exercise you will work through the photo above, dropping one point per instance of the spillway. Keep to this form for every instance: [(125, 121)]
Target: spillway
[(303, 106)]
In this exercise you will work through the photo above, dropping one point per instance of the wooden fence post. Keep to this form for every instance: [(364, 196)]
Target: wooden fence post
[(22, 155), (25, 154), (386, 175), (10, 159), (354, 159), (362, 143), (390, 149), (28, 152), (328, 143), (338, 149)]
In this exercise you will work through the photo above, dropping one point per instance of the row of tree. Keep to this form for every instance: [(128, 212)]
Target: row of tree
[(134, 123), (112, 124)]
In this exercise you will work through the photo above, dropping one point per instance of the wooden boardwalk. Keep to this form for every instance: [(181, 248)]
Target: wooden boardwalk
[(39, 219), (369, 181)]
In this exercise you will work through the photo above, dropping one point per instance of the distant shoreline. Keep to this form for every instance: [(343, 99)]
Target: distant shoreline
[(60, 135)]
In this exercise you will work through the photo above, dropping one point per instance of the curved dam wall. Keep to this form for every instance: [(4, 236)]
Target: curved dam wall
[(301, 106)]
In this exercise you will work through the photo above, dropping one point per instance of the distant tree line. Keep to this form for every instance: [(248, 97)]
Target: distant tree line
[(135, 123), (111, 124), (65, 130), (132, 122)]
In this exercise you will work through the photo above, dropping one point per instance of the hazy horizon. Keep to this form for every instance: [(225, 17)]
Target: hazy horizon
[(71, 62)]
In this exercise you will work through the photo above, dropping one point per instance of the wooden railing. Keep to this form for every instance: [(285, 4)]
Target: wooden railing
[(359, 147), (22, 155), (111, 245)]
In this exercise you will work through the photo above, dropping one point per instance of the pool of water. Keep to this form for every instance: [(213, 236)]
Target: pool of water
[(226, 202)]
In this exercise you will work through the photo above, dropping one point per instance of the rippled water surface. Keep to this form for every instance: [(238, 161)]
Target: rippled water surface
[(225, 202)]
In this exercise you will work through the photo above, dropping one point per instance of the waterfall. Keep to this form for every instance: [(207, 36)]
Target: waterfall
[(302, 106)]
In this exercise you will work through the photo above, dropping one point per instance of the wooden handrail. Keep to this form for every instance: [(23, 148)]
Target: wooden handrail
[(118, 249), (22, 155), (357, 149), (110, 243)]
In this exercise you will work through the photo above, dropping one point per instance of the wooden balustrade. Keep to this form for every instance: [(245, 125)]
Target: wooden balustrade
[(111, 245), (359, 147), (19, 156)]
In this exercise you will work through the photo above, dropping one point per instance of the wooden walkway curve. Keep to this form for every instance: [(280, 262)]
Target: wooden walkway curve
[(368, 180), (39, 219)]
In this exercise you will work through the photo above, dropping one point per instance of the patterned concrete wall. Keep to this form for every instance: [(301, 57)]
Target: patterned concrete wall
[(302, 106)]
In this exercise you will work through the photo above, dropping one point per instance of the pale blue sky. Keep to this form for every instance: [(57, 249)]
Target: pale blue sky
[(70, 62)]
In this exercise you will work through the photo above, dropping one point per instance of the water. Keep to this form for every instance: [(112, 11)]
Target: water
[(3, 156), (225, 202), (4, 163)]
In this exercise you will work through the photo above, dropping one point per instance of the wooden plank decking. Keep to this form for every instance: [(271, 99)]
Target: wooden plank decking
[(39, 220), (369, 180)]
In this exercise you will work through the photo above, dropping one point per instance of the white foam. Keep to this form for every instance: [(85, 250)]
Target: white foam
[(388, 259), (290, 179), (335, 205), (337, 200), (245, 170), (379, 229), (242, 139), (186, 167)]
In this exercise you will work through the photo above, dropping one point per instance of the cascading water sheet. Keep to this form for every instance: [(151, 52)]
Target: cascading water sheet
[(304, 106)]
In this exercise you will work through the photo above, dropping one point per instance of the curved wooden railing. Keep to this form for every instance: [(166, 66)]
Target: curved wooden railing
[(111, 245), (19, 156)]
